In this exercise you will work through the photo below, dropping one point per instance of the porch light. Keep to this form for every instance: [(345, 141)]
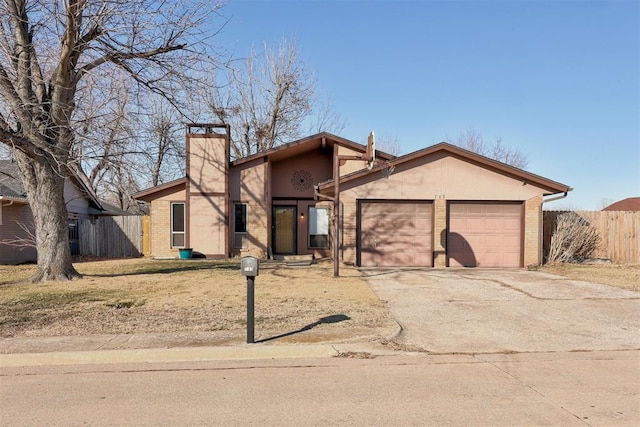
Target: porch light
[(302, 215)]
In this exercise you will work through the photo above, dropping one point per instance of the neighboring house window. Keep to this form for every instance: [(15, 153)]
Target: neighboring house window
[(177, 225), (318, 228), (240, 226)]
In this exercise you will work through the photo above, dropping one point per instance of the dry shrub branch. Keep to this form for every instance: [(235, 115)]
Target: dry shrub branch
[(574, 239)]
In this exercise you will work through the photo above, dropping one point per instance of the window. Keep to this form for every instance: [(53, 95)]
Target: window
[(318, 228), (240, 226), (177, 225)]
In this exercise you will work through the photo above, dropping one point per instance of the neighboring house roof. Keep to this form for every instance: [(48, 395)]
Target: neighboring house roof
[(11, 187), (628, 204), (552, 186)]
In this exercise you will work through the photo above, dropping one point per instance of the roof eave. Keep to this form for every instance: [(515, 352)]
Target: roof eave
[(337, 139), (144, 194), (552, 186)]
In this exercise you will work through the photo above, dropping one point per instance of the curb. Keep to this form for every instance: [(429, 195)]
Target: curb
[(182, 354)]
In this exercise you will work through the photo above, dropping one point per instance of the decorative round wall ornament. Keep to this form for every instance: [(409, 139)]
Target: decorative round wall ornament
[(302, 180)]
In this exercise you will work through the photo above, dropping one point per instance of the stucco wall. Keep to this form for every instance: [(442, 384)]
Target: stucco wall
[(349, 166), (442, 176), (207, 163), (296, 176), (10, 229), (248, 184)]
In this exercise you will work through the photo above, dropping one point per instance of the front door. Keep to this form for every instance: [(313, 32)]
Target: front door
[(284, 230)]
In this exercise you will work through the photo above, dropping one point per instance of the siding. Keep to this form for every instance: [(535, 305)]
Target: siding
[(12, 217)]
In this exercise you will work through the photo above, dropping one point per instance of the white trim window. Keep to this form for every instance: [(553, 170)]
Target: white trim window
[(318, 228), (177, 225), (240, 226)]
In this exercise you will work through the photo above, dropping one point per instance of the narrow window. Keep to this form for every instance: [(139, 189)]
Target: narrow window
[(177, 225), (240, 240), (318, 228)]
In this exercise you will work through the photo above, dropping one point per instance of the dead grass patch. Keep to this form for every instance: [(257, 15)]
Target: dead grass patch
[(157, 296), (620, 276)]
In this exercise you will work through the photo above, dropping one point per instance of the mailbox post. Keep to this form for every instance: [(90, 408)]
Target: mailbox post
[(250, 268)]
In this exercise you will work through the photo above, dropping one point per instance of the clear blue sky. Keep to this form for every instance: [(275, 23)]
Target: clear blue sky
[(558, 79)]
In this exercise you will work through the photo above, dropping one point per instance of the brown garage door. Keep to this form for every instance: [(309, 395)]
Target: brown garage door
[(395, 234), (485, 235)]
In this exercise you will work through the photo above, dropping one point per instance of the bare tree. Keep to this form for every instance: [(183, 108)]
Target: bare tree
[(388, 144), (48, 50), (164, 142), (473, 140), (268, 99)]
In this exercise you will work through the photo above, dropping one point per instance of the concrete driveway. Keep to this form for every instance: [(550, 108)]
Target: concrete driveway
[(494, 311)]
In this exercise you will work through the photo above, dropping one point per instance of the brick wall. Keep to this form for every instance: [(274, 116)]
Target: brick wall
[(161, 229), (440, 233), (532, 231)]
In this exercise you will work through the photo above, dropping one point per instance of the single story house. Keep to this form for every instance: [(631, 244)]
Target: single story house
[(16, 219), (629, 204), (437, 207)]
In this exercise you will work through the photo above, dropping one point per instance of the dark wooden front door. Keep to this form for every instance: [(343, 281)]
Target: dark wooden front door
[(284, 230)]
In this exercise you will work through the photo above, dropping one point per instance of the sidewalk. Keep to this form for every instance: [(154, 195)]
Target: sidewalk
[(166, 347)]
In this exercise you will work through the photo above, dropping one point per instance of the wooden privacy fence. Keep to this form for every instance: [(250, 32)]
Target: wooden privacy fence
[(619, 233), (111, 236)]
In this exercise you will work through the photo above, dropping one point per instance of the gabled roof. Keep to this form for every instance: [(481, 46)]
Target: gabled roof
[(552, 186), (144, 194), (309, 143), (11, 187), (628, 204)]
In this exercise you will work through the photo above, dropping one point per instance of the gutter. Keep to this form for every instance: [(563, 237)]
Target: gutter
[(552, 199)]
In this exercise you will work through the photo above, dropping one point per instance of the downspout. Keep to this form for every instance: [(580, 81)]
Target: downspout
[(551, 199)]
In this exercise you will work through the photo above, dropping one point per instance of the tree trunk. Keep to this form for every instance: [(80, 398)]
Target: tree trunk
[(45, 186)]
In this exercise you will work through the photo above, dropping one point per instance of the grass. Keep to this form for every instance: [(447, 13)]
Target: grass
[(155, 296), (620, 276)]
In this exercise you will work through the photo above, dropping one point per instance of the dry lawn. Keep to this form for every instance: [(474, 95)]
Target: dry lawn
[(153, 296), (621, 276)]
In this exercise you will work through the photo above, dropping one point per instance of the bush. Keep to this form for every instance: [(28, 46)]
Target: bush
[(573, 239)]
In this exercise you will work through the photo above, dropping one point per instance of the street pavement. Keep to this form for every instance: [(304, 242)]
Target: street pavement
[(557, 389), (476, 347)]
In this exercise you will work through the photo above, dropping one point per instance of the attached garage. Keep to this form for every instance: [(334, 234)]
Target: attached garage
[(482, 234), (395, 233)]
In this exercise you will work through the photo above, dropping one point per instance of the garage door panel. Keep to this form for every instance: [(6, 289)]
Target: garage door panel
[(485, 234), (395, 234)]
